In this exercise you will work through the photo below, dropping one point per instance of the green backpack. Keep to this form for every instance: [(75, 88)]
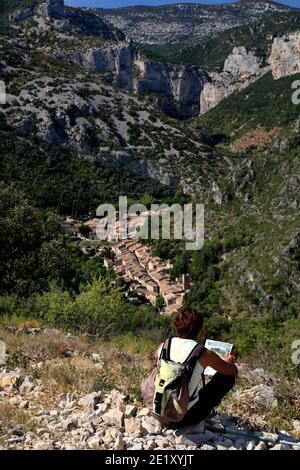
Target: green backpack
[(166, 389)]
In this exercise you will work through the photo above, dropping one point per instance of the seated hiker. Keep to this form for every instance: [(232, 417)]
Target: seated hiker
[(201, 397)]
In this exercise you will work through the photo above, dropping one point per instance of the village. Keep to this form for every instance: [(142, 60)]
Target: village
[(133, 261)]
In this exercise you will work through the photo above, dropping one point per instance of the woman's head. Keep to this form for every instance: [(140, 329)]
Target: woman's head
[(188, 323)]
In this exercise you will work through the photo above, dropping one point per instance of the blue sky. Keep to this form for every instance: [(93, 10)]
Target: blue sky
[(121, 3)]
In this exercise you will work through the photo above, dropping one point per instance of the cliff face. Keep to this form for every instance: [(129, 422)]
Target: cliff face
[(241, 68), (52, 8), (181, 85), (115, 60), (285, 55), (184, 91)]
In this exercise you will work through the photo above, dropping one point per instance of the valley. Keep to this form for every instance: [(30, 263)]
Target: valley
[(175, 104)]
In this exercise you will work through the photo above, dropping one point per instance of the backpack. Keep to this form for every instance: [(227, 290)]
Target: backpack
[(166, 389)]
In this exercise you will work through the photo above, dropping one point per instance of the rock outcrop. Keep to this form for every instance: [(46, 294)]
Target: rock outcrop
[(102, 419), (285, 55), (181, 85), (115, 60), (241, 68), (52, 8), (242, 63), (184, 91), (49, 8)]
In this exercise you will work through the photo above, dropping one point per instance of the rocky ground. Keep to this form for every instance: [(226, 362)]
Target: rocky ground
[(44, 404)]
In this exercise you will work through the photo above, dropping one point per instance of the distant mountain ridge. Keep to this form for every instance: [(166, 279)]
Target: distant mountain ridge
[(172, 23)]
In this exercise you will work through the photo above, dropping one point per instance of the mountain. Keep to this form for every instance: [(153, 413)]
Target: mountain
[(89, 116), (68, 86), (169, 24), (211, 52)]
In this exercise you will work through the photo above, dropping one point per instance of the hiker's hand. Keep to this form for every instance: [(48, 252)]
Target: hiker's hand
[(230, 358), (234, 351)]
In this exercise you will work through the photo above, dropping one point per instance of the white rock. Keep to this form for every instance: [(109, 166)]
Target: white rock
[(250, 445), (114, 417), (43, 445), (130, 411), (296, 425), (150, 445), (119, 443), (221, 447), (108, 439), (207, 447), (261, 394), (260, 446), (281, 447), (143, 412), (24, 404), (150, 425), (162, 443), (138, 446), (26, 386), (133, 426), (94, 441), (89, 401)]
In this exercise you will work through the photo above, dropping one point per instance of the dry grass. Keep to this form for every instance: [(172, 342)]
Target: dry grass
[(68, 375), (11, 416), (81, 375), (272, 419), (41, 346), (123, 367)]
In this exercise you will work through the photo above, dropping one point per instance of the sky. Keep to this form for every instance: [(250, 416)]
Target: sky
[(123, 3)]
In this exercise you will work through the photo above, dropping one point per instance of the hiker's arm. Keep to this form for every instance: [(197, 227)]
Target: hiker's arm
[(209, 358)]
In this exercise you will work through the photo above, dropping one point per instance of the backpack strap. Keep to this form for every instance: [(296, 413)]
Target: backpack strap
[(165, 350), (192, 359), (195, 354)]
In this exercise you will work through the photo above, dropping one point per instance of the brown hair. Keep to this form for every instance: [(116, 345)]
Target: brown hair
[(188, 323)]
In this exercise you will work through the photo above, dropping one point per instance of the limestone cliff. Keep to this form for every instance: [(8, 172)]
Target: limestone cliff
[(50, 8), (241, 68), (184, 91), (181, 85), (115, 60), (285, 55)]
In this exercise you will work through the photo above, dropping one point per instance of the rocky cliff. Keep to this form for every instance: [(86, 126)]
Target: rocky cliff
[(116, 60), (241, 68), (50, 8), (181, 85), (285, 55), (183, 91), (53, 14)]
